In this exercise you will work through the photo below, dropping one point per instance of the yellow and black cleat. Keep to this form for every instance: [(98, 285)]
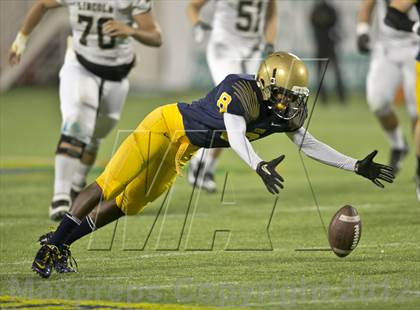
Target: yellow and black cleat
[(63, 261), (44, 259)]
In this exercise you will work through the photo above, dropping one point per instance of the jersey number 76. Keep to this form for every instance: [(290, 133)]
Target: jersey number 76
[(101, 37)]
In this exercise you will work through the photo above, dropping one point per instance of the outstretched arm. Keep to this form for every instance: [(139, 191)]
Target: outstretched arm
[(320, 151), (236, 131), (327, 155), (193, 12), (271, 27), (363, 25), (365, 12), (32, 19), (397, 18)]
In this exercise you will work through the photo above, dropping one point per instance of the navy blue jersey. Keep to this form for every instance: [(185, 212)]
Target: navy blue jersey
[(237, 94)]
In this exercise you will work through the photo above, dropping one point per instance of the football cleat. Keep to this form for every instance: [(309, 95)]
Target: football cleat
[(196, 178), (397, 156), (208, 183), (58, 209), (63, 262), (43, 261)]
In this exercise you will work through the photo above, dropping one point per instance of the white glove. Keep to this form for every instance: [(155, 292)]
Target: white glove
[(199, 30), (17, 49)]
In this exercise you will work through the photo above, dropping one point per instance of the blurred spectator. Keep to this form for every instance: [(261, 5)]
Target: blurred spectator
[(324, 20)]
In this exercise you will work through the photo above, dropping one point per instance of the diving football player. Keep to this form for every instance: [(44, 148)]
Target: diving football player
[(392, 63), (242, 33), (93, 80), (397, 18), (241, 108)]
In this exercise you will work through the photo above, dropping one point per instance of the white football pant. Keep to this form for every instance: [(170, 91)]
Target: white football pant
[(90, 107), (389, 67)]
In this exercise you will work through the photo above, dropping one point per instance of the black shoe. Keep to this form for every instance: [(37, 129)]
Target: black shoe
[(44, 259), (58, 209), (397, 156), (63, 261)]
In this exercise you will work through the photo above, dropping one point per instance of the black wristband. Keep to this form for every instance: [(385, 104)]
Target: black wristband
[(398, 20)]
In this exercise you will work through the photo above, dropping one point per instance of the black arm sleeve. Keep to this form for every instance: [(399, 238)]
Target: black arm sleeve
[(398, 20)]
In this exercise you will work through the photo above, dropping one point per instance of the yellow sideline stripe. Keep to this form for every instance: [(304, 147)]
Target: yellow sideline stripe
[(11, 302), (35, 162)]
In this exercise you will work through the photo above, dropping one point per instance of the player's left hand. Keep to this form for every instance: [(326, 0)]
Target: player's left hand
[(374, 171), (267, 172), (115, 28), (17, 49)]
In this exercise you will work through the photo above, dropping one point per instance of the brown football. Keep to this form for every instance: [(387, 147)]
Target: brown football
[(344, 231)]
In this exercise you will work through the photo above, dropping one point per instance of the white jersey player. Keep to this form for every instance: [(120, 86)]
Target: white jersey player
[(392, 64), (93, 79), (242, 33)]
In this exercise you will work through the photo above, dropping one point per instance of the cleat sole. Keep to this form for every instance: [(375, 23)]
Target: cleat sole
[(40, 273)]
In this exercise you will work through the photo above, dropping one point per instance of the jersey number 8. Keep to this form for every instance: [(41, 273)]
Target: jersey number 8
[(101, 40), (223, 102)]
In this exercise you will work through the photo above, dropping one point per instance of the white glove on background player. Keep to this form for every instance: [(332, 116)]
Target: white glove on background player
[(17, 49), (200, 29)]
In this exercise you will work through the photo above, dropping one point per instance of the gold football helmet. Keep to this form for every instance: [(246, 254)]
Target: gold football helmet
[(283, 80)]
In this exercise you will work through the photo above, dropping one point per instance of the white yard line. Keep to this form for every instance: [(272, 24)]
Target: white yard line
[(190, 253)]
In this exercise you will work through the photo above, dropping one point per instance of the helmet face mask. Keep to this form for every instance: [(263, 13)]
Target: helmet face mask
[(283, 80), (287, 104)]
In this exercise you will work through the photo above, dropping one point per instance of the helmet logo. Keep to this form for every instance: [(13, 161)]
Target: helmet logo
[(273, 77)]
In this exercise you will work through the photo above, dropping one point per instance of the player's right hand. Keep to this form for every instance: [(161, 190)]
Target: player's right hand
[(17, 49), (267, 172), (363, 43), (199, 29), (116, 28)]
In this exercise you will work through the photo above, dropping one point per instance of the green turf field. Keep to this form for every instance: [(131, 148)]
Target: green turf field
[(170, 254)]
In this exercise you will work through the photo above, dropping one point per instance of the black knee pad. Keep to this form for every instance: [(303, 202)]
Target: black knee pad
[(70, 146)]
